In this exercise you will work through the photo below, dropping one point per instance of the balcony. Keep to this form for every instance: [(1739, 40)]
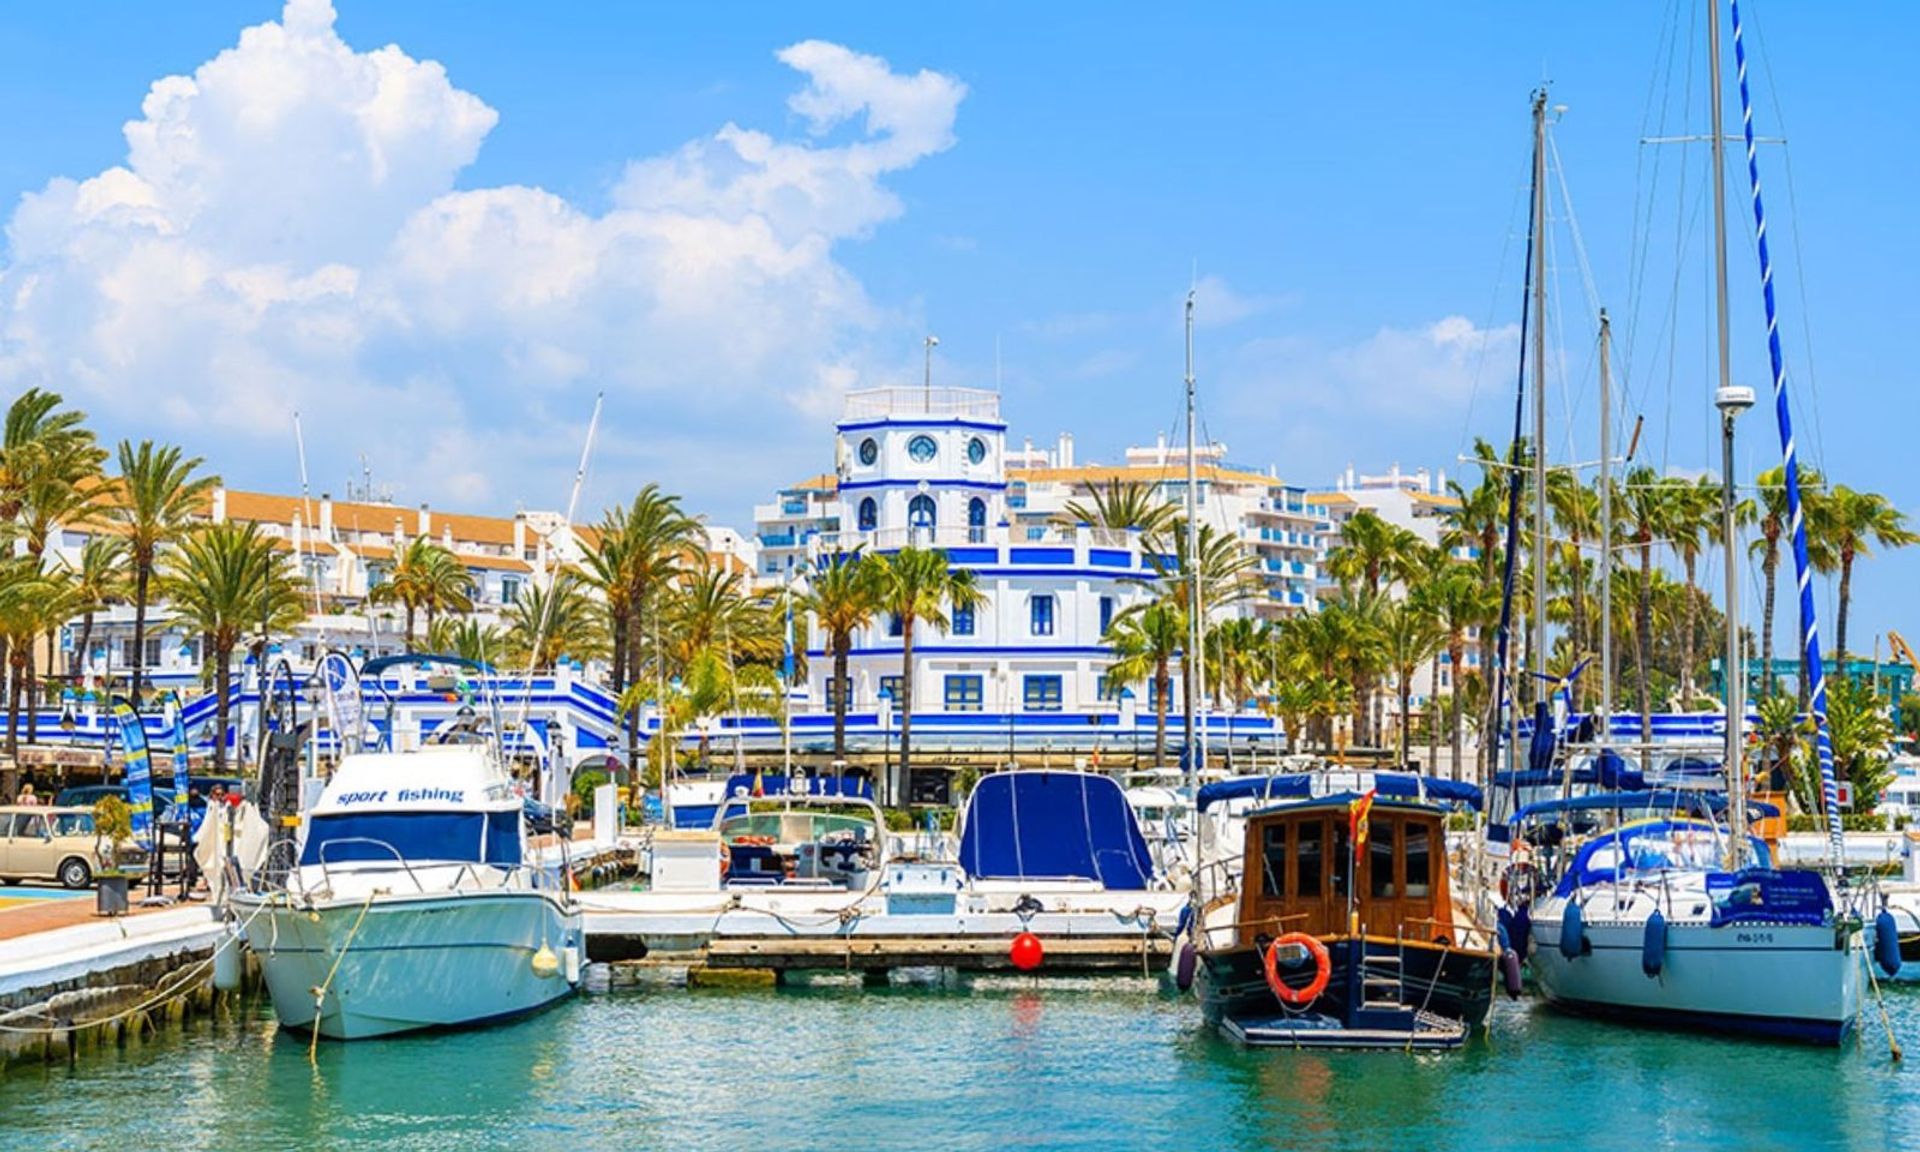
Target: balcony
[(778, 539), (922, 403)]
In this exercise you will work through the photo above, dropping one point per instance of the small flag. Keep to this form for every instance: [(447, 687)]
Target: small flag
[(759, 783), (1357, 814)]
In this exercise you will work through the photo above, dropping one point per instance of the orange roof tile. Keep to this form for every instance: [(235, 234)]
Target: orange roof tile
[(1140, 473)]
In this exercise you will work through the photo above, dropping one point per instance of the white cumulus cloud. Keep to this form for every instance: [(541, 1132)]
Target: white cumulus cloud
[(287, 232)]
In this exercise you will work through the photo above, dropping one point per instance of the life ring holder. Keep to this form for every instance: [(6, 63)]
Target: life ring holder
[(1322, 970)]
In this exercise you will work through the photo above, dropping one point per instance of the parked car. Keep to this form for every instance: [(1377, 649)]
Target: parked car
[(55, 843), (87, 795)]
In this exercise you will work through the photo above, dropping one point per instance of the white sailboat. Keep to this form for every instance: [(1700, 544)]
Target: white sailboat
[(1668, 915)]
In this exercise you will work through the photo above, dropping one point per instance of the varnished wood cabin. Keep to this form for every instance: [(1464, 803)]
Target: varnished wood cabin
[(1296, 874)]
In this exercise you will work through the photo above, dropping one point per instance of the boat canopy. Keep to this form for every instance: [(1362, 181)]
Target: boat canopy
[(379, 664), (1053, 826), (1662, 801), (1648, 847), (1312, 785)]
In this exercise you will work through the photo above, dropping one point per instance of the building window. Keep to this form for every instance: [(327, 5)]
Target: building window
[(976, 451), (1041, 693), (965, 693), (509, 589), (920, 511), (869, 451), (836, 688), (922, 449), (976, 520), (869, 514), (894, 624), (890, 688), (1106, 614), (1040, 610), (963, 620)]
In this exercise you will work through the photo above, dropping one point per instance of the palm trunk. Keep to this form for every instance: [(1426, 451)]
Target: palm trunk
[(1455, 651), (410, 626), (13, 705), (1687, 622), (142, 572), (1162, 688), (85, 651), (1846, 600), (33, 704), (897, 783), (838, 692), (619, 670), (1577, 602), (1769, 573), (1643, 639), (1406, 697), (222, 703), (1433, 702)]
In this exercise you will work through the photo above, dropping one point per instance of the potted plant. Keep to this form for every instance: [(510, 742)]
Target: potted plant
[(113, 823)]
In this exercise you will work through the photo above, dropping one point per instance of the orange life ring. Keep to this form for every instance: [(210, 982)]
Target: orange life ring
[(1322, 969)]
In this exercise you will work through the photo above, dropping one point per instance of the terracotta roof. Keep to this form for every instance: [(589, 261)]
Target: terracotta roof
[(825, 482), (496, 563), (1329, 498)]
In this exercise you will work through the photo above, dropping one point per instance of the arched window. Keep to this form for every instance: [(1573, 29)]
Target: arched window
[(869, 514), (976, 520), (920, 512)]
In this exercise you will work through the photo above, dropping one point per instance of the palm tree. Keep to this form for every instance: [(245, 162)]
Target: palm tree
[(562, 619), (447, 586), (842, 597), (916, 585), (604, 567), (417, 577), (1409, 635), (1123, 506), (656, 538), (710, 685), (1144, 640), (159, 497), (39, 438), (1460, 602), (711, 606), (466, 638), (1693, 521), (1372, 551), (34, 601), (223, 580), (1854, 523), (99, 581), (1769, 514), (1646, 509), (1576, 509)]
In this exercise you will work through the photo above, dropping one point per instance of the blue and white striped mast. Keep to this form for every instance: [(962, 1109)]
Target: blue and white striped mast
[(1803, 571)]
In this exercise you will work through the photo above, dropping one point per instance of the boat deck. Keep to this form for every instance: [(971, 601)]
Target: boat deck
[(1312, 1030)]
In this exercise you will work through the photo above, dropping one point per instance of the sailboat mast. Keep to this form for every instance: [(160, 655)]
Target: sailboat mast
[(1736, 708), (1542, 688), (1194, 665), (1606, 524)]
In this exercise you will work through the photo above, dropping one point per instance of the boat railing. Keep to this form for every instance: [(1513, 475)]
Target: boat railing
[(326, 872)]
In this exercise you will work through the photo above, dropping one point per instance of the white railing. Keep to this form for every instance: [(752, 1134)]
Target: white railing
[(882, 403), (959, 536)]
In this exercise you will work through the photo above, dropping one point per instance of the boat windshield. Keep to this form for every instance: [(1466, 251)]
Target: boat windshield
[(798, 827), (1647, 848)]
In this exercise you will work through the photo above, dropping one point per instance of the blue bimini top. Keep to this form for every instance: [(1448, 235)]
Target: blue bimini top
[(1053, 826)]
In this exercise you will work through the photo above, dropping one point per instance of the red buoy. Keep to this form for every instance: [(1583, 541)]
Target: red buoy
[(1026, 952)]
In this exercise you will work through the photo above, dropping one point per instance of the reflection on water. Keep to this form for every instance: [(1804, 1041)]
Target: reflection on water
[(992, 1065)]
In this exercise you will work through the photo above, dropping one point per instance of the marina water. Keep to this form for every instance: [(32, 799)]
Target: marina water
[(994, 1064)]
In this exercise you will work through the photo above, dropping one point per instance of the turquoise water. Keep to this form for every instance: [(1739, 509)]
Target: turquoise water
[(1000, 1065)]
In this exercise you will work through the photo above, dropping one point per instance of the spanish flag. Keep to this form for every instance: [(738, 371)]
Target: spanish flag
[(1357, 813)]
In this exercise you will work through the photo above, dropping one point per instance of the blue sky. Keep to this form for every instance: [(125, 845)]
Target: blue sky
[(440, 268)]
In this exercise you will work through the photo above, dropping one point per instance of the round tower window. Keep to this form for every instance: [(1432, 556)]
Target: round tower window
[(869, 451), (922, 449), (976, 450)]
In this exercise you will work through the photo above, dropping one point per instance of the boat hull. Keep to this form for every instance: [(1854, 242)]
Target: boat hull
[(407, 963), (1441, 995), (1786, 981)]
